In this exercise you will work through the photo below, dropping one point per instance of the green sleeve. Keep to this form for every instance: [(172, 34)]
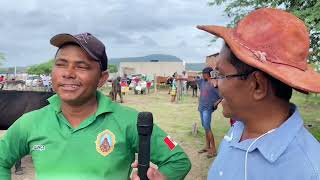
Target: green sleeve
[(174, 164), (13, 146)]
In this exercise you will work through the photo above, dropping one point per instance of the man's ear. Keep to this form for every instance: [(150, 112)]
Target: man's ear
[(103, 78), (260, 85)]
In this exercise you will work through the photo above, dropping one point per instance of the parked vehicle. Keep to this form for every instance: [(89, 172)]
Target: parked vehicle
[(33, 81)]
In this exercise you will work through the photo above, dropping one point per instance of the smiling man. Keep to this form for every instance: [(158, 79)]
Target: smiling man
[(82, 134), (263, 59)]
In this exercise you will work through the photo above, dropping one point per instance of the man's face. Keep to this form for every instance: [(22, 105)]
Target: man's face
[(76, 76), (234, 91), (206, 76)]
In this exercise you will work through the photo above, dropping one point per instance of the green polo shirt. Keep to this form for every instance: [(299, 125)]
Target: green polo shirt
[(102, 147)]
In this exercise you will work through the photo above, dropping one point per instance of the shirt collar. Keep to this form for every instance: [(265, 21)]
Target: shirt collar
[(275, 143), (104, 103)]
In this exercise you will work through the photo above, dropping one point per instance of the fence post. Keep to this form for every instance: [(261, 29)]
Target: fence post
[(155, 82)]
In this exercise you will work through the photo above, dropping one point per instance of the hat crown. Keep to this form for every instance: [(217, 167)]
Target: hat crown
[(96, 47), (279, 36)]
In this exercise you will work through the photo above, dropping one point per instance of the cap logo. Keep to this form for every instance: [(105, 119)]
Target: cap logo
[(83, 37), (105, 142)]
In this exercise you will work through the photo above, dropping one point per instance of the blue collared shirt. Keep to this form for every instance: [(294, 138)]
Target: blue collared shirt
[(288, 153)]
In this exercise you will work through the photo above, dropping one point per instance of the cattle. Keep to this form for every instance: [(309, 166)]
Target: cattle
[(13, 104), (14, 84), (194, 86), (161, 80)]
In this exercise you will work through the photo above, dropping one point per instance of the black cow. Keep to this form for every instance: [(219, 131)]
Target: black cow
[(13, 104), (193, 84)]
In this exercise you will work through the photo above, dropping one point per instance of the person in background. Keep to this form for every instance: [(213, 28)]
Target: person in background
[(116, 89), (169, 82), (208, 102), (148, 86), (2, 81), (173, 88), (124, 87), (184, 82)]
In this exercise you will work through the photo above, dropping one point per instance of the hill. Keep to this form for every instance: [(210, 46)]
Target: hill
[(148, 58)]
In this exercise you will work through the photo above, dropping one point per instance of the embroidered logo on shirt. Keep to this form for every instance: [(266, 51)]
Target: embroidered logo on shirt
[(39, 147), (105, 142), (170, 142)]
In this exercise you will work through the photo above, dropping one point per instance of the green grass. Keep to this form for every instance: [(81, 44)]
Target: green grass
[(309, 106)]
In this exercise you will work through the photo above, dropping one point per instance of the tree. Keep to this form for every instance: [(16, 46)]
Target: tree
[(112, 68), (306, 10), (2, 58), (43, 68), (46, 68)]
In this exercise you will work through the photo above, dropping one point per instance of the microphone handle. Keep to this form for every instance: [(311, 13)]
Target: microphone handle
[(143, 156)]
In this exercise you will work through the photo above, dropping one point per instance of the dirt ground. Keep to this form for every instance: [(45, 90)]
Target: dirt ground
[(28, 170)]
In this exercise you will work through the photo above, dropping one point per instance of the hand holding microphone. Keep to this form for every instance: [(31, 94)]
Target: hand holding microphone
[(144, 127)]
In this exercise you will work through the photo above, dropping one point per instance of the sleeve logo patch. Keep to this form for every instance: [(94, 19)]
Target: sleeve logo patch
[(170, 142), (105, 142), (38, 147)]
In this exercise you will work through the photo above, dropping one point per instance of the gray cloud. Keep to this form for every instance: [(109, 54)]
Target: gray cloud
[(128, 28)]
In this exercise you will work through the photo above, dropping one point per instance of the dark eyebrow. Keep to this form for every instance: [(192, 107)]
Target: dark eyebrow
[(60, 59), (82, 62), (76, 62)]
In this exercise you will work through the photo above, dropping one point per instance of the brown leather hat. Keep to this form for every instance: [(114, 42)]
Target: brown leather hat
[(275, 42)]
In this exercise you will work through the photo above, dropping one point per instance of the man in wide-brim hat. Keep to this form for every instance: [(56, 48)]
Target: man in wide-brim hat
[(264, 57)]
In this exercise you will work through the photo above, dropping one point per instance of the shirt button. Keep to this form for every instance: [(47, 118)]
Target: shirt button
[(220, 173), (271, 157)]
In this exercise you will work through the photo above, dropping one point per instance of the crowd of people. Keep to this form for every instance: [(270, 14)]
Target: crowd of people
[(121, 86)]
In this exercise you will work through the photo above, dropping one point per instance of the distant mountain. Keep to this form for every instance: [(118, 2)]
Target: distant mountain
[(195, 66), (149, 58), (10, 70)]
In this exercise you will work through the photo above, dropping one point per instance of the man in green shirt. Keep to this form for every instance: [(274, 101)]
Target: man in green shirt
[(82, 134)]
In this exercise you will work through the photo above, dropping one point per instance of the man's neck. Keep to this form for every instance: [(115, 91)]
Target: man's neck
[(264, 119), (76, 114)]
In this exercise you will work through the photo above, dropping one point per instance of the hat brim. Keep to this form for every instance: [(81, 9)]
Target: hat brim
[(303, 81), (61, 39)]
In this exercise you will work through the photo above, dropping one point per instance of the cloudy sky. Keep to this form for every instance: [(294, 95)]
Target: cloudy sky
[(127, 27)]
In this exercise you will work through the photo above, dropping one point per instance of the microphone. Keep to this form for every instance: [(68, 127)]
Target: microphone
[(144, 127)]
